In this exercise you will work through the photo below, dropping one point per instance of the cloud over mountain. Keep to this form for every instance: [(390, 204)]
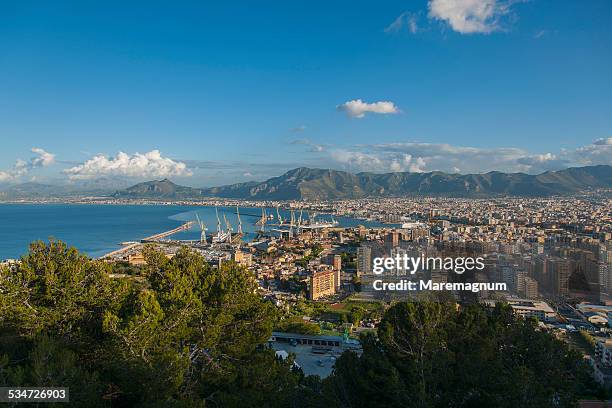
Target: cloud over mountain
[(422, 157), (599, 152), (151, 164), (314, 147), (22, 167)]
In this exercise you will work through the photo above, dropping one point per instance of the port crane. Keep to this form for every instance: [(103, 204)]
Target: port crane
[(278, 216), (291, 224), (219, 229), (229, 229), (203, 229), (299, 223), (262, 221), (239, 221)]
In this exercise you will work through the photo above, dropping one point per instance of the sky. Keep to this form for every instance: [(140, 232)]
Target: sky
[(210, 93)]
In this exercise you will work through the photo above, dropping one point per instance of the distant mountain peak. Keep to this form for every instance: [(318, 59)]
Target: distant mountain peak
[(158, 189), (305, 183)]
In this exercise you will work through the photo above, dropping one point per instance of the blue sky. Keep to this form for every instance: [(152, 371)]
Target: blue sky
[(209, 93)]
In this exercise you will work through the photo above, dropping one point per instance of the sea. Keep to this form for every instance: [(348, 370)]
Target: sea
[(98, 229)]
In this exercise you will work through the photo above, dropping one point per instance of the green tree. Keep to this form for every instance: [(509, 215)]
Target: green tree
[(297, 325), (434, 355), (190, 334), (49, 362), (206, 322), (56, 290)]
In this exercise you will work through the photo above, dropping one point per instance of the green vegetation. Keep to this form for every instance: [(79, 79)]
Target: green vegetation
[(124, 268), (587, 340), (297, 325), (354, 312), (294, 285), (428, 354), (315, 251), (348, 311), (193, 336), (357, 283)]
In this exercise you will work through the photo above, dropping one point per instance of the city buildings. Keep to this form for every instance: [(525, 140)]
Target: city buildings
[(364, 260), (323, 283)]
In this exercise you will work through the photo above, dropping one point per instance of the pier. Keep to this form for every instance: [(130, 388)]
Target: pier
[(161, 235), (152, 238)]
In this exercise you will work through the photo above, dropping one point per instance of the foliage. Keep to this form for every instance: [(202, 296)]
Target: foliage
[(588, 340), (298, 326), (192, 336), (125, 268), (429, 354), (316, 250)]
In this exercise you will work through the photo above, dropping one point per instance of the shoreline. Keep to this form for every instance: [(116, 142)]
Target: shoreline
[(185, 226)]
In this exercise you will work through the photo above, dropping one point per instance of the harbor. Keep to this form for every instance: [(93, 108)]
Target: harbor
[(153, 238)]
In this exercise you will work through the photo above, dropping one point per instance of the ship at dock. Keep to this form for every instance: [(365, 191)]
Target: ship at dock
[(223, 235), (296, 223)]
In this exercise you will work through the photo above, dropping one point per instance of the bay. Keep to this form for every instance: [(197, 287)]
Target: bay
[(98, 229)]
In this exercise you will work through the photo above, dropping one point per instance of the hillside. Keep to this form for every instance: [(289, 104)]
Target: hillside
[(158, 189), (313, 184)]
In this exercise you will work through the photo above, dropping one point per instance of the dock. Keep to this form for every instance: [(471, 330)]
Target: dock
[(152, 238), (165, 234)]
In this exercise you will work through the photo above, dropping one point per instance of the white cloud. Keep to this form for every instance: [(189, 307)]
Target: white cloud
[(470, 16), (542, 162), (603, 141), (408, 163), (22, 167), (314, 147), (43, 159), (146, 165), (405, 19), (412, 24), (420, 157), (540, 33), (599, 152), (358, 108), (359, 161), (539, 158), (355, 160)]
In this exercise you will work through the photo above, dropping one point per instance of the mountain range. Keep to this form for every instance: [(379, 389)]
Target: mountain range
[(34, 190), (325, 184)]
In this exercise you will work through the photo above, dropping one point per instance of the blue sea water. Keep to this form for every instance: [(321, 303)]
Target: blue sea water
[(98, 229)]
